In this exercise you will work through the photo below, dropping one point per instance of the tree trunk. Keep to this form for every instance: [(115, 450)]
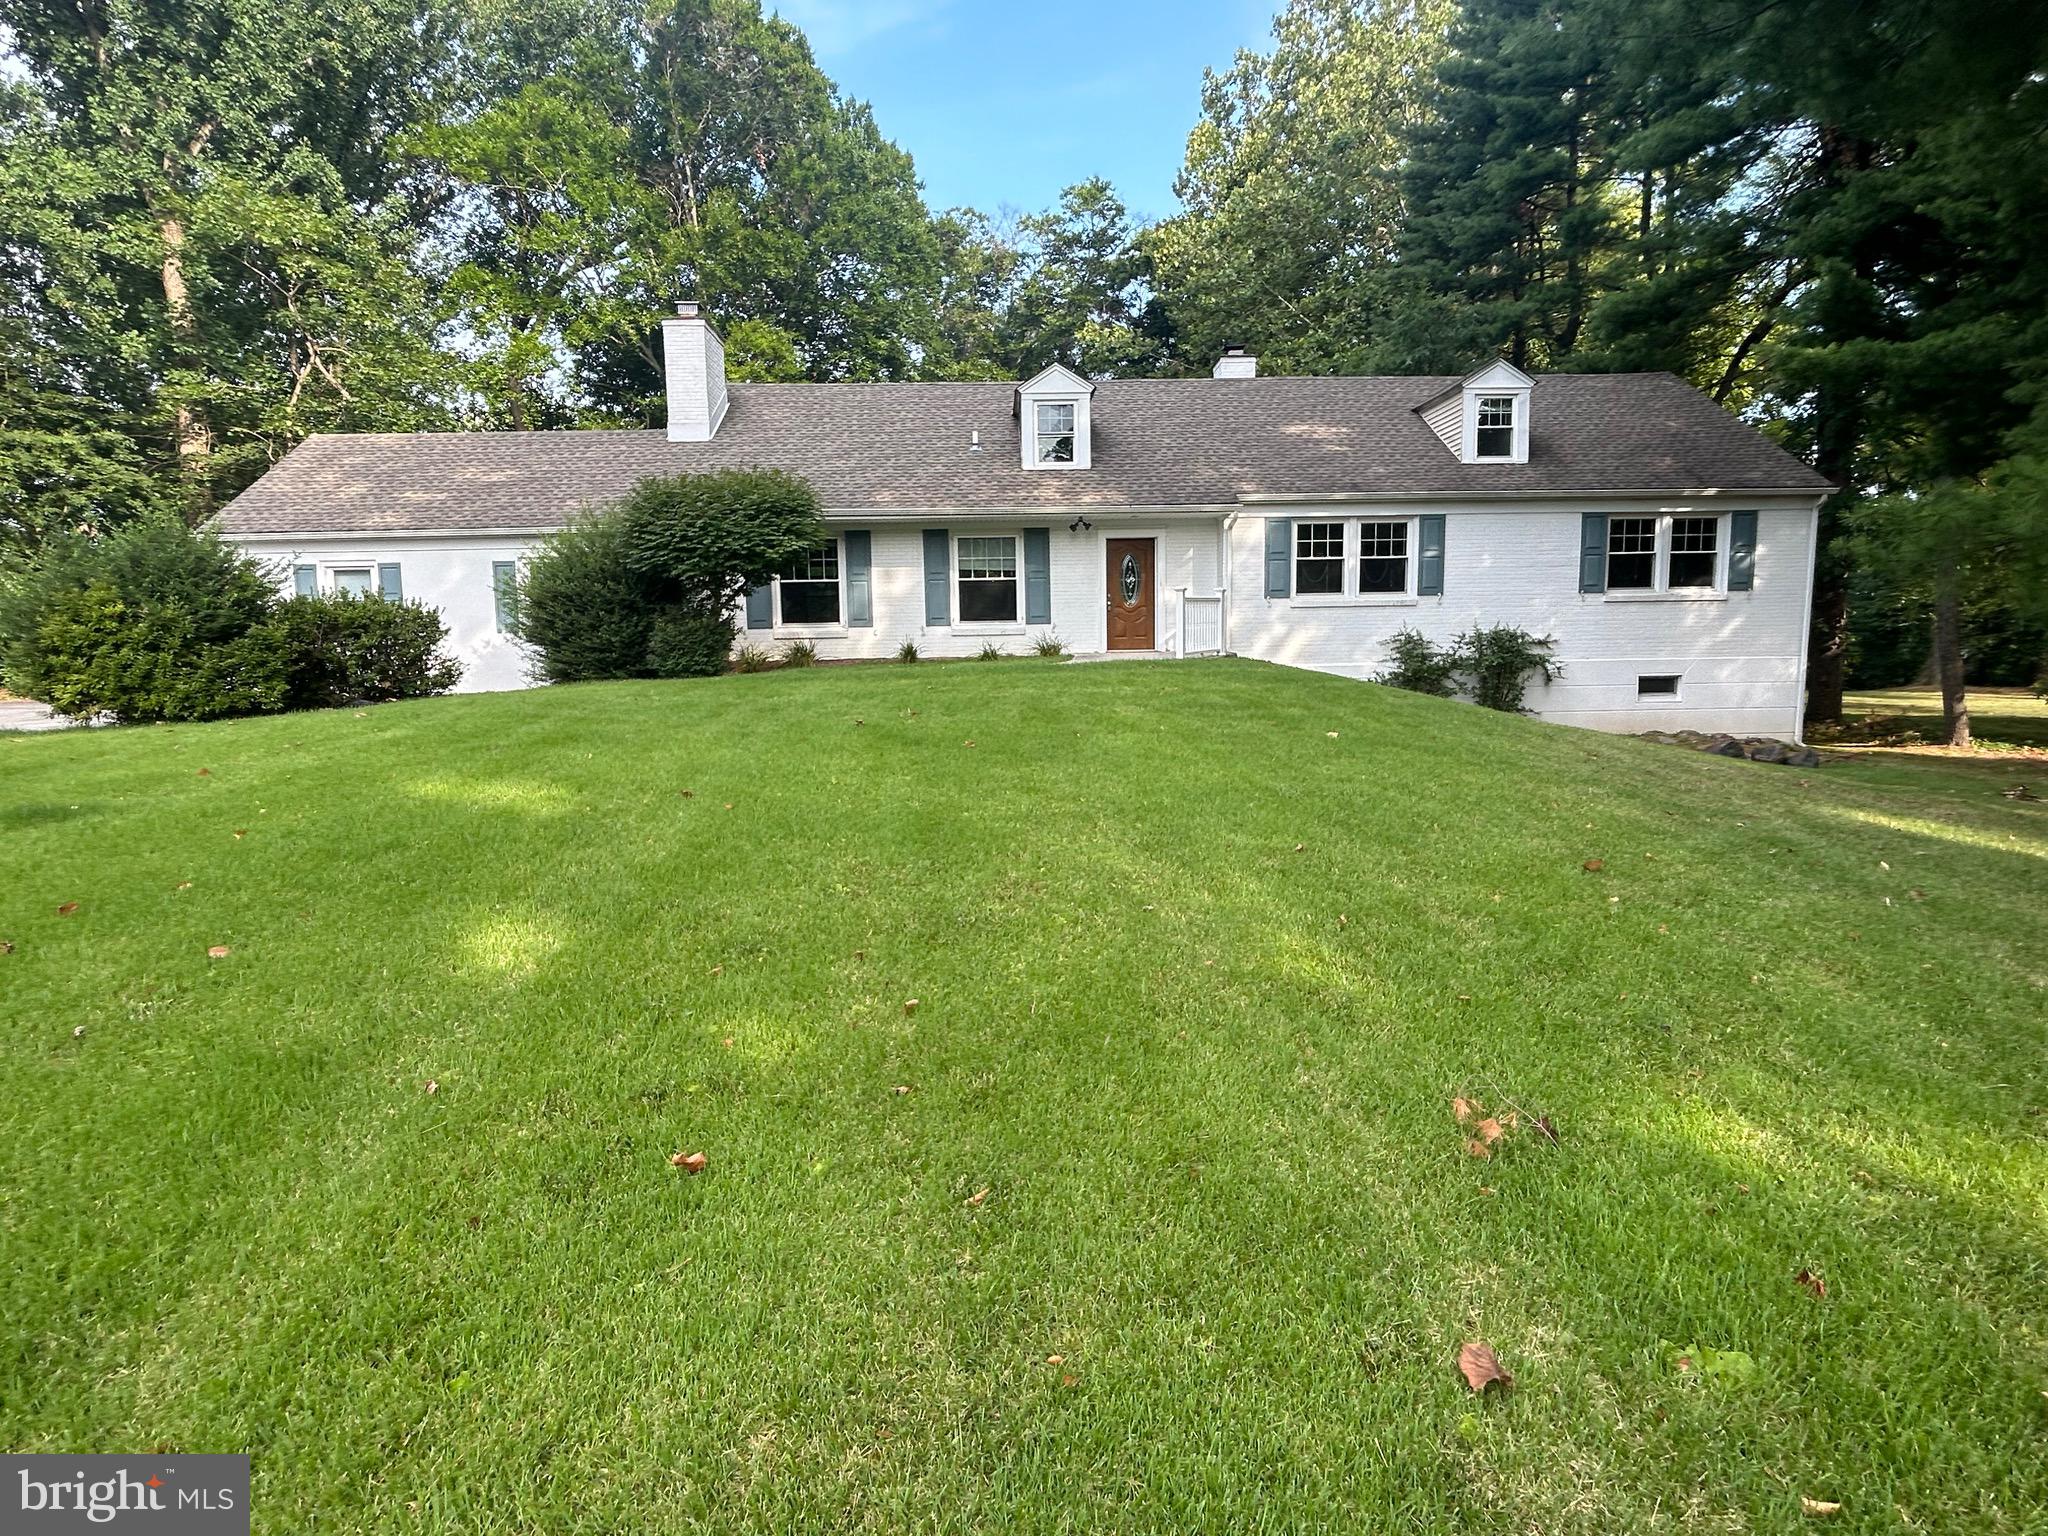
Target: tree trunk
[(194, 433), (1948, 657)]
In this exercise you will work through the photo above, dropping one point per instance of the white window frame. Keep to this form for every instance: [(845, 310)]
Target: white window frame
[(518, 565), (1468, 432), (328, 570), (1014, 626), (1513, 425), (1351, 596), (831, 627), (1040, 436), (1660, 588), (1676, 694)]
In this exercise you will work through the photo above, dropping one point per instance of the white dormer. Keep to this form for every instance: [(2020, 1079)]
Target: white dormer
[(1052, 419), (1494, 424)]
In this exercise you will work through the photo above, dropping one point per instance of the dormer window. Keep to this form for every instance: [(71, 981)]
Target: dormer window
[(1052, 409), (1055, 432), (1493, 429)]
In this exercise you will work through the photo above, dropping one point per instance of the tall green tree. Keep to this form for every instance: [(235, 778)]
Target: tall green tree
[(1079, 291), (1291, 191)]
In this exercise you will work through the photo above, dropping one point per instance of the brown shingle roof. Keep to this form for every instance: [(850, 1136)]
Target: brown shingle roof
[(878, 448)]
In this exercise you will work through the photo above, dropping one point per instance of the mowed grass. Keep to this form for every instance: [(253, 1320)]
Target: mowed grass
[(2004, 719), (1173, 1229)]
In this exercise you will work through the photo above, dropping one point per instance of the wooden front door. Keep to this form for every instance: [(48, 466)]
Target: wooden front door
[(1130, 594)]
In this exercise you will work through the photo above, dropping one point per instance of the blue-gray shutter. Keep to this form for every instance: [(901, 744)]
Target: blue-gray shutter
[(1593, 552), (860, 561), (389, 587), (938, 575), (305, 581), (1037, 575), (1429, 569), (1741, 551), (760, 607), (505, 592), (1279, 557)]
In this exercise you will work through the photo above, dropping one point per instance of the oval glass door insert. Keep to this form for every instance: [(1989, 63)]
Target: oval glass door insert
[(1129, 577)]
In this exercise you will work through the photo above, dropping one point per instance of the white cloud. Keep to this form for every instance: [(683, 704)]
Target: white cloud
[(840, 26)]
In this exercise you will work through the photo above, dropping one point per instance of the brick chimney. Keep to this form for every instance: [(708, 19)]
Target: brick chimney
[(695, 365)]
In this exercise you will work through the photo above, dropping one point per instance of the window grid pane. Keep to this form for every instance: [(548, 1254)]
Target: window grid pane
[(821, 564), (1496, 410), (1631, 552), (1319, 559), (354, 579), (1055, 434), (1692, 551), (988, 559), (1382, 557)]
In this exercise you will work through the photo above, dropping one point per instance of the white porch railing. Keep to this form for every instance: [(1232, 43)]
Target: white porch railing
[(1198, 624)]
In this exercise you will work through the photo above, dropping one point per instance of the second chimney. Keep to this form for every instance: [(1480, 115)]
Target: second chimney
[(694, 360), (1235, 363)]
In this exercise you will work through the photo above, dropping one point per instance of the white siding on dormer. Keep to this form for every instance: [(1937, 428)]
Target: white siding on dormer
[(1447, 420), (1055, 386)]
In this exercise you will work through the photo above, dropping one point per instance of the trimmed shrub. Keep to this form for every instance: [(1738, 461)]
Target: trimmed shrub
[(1498, 660), (98, 654), (1420, 665), (583, 608), (688, 642), (359, 650)]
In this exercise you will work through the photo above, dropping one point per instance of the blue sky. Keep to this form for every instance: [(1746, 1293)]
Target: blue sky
[(1002, 105)]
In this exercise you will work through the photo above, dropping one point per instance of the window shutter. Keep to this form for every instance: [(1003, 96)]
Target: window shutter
[(938, 573), (305, 581), (860, 559), (1429, 569), (1037, 575), (1741, 551), (505, 592), (389, 587), (1279, 557), (1593, 552), (760, 607)]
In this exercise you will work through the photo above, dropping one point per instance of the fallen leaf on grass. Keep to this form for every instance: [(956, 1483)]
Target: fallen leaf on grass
[(1482, 1369), (693, 1162), (78, 1033), (1298, 847), (1813, 1283), (182, 885), (6, 946), (716, 970), (900, 1089), (67, 909), (1070, 1381), (1331, 734), (966, 743), (1593, 866), (433, 1086), (1478, 1149), (1488, 1130), (240, 833), (219, 952), (1464, 1109), (687, 794), (1055, 1359), (909, 1006), (978, 1196), (1549, 1130), (204, 773), (1818, 1506)]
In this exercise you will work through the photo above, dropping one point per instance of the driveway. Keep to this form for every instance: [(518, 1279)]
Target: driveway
[(27, 715)]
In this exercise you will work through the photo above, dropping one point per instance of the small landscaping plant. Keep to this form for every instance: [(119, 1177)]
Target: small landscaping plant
[(799, 653), (752, 658), (989, 651), (907, 651), (1049, 646), (1420, 665)]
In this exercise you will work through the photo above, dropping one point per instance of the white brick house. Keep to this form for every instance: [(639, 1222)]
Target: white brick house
[(1666, 547)]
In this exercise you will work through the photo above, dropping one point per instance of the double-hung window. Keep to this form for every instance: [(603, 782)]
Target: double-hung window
[(1055, 433), (1493, 430), (1382, 559), (1663, 554), (988, 578), (1319, 559), (809, 587), (355, 580)]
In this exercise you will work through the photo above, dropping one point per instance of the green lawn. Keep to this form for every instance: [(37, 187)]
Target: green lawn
[(2000, 718), (1172, 1231)]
